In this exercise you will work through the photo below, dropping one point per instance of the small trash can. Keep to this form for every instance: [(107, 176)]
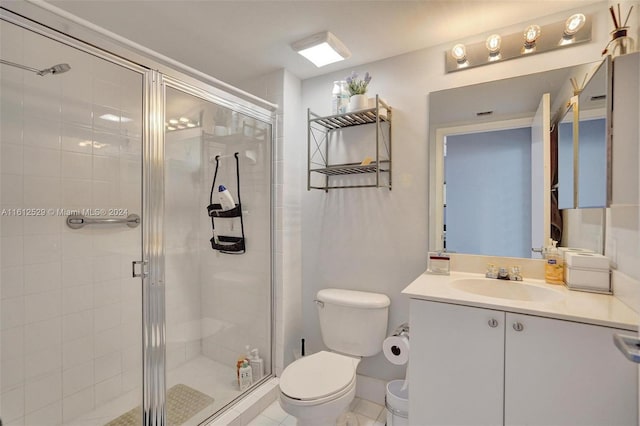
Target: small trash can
[(397, 403)]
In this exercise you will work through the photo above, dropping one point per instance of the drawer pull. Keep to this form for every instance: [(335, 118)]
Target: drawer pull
[(517, 326), (493, 323)]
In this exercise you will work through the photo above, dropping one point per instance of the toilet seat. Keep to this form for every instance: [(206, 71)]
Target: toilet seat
[(319, 377)]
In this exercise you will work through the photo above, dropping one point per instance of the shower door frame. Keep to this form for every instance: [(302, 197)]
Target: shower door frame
[(156, 76)]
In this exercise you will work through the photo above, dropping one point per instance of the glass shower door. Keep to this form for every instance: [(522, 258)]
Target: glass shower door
[(218, 283), (71, 166)]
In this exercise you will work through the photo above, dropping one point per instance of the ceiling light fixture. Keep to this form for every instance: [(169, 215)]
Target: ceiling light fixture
[(322, 49), (493, 46), (531, 35)]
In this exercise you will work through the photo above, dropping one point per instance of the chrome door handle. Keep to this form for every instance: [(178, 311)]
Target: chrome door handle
[(629, 346), (493, 323), (517, 326)]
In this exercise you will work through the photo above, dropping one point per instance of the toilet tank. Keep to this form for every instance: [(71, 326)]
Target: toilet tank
[(353, 322)]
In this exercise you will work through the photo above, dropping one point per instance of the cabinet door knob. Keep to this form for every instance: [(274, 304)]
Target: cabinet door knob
[(517, 326), (493, 323)]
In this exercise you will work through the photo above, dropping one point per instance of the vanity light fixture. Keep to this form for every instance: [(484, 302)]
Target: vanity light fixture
[(322, 49), (493, 46), (534, 39), (531, 35)]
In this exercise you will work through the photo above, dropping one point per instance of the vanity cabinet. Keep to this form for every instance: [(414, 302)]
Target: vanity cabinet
[(476, 366)]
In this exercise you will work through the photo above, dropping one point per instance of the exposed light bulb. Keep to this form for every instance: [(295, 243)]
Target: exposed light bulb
[(191, 125), (171, 128), (459, 53), (493, 43), (531, 34), (173, 121), (574, 24), (184, 120)]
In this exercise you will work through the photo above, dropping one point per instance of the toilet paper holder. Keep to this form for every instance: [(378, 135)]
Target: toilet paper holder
[(402, 329)]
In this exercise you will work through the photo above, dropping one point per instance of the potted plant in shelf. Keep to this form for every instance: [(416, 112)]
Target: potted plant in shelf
[(358, 90)]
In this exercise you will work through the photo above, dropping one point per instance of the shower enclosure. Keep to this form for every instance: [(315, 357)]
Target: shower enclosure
[(115, 307)]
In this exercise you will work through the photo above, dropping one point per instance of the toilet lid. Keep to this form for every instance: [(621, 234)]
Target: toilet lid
[(317, 376)]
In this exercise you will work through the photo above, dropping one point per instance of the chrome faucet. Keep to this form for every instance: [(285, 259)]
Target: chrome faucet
[(503, 274)]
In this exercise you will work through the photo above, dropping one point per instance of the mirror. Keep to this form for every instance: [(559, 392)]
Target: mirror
[(586, 186), (486, 194)]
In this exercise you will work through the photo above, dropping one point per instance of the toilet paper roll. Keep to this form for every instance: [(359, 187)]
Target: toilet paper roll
[(396, 349)]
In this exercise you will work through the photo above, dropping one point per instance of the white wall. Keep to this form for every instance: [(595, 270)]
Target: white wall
[(283, 88), (375, 239)]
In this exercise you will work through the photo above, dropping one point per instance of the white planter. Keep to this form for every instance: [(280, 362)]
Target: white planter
[(358, 102)]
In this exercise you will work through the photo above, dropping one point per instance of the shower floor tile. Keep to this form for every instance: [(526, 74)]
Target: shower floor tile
[(203, 374)]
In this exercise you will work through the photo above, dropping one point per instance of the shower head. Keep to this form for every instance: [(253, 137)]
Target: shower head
[(56, 69)]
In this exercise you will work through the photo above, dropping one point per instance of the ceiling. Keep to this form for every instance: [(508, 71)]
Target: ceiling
[(237, 40)]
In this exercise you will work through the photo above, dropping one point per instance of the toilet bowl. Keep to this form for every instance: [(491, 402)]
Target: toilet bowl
[(318, 388)]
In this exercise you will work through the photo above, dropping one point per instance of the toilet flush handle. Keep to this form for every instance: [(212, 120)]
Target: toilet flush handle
[(319, 303)]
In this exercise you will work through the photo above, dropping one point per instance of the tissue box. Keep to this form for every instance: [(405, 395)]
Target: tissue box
[(587, 272)]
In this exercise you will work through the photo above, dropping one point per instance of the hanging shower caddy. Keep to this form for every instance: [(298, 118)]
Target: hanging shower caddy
[(223, 243)]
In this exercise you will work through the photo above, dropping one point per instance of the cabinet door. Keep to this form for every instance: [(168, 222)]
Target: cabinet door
[(566, 373), (456, 365)]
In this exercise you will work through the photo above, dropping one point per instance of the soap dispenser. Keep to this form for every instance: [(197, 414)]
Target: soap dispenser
[(554, 266), (257, 365)]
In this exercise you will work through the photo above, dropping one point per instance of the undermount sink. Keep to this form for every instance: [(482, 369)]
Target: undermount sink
[(512, 290)]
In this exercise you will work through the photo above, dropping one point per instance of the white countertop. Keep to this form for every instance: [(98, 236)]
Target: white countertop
[(589, 308)]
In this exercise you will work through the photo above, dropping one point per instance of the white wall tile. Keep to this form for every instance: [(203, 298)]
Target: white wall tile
[(77, 299), (77, 378), (76, 193), (108, 366), (75, 272), (12, 404), (42, 133), (77, 138), (49, 415), (107, 341), (12, 313), (77, 351), (12, 340), (106, 317), (78, 403), (77, 246), (12, 161), (44, 362), (107, 390), (42, 392), (42, 335), (41, 192), (12, 374), (76, 165), (42, 277), (12, 251), (41, 161), (11, 282), (12, 190), (43, 306), (77, 325)]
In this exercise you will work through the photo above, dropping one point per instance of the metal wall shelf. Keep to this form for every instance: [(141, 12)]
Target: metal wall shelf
[(319, 131)]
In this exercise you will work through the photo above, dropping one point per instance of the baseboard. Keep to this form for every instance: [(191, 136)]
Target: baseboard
[(371, 389)]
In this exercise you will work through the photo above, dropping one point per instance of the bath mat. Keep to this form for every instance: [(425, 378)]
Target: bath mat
[(182, 403)]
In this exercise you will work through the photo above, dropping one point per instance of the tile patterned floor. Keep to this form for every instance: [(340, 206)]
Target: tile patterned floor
[(367, 412)]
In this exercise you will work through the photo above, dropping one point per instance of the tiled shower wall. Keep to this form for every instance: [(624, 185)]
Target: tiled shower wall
[(70, 315)]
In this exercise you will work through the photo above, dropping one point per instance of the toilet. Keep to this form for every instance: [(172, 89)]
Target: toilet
[(318, 388)]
